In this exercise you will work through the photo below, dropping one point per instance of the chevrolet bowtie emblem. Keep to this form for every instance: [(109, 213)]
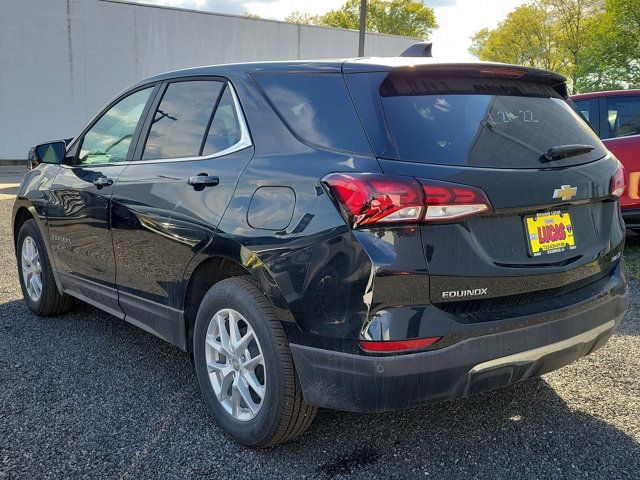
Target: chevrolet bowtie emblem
[(565, 192)]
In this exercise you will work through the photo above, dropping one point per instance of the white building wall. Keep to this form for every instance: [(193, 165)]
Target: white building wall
[(61, 60)]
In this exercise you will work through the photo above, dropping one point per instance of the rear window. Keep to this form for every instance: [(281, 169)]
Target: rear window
[(317, 108), (503, 127)]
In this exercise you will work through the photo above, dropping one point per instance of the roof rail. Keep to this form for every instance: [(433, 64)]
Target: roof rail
[(420, 49)]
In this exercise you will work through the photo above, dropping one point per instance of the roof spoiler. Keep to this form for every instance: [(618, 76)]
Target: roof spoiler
[(420, 49), (461, 71)]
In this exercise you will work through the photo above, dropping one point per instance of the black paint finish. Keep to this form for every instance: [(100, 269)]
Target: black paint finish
[(132, 246), (78, 216), (271, 208)]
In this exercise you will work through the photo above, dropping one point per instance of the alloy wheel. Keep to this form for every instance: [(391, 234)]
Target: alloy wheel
[(235, 364), (31, 269)]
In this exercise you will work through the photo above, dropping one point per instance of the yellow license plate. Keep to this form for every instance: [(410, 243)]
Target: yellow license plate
[(550, 232)]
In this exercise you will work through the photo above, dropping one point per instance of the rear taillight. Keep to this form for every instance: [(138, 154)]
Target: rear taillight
[(367, 199), (618, 183), (397, 345), (450, 202), (373, 198)]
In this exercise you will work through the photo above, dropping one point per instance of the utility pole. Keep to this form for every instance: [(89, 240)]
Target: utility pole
[(363, 25)]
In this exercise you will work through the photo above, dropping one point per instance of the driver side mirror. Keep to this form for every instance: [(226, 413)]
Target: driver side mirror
[(52, 152)]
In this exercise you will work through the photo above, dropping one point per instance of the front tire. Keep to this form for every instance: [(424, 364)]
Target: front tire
[(36, 276), (244, 366)]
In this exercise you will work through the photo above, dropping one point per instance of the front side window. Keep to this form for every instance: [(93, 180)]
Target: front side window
[(109, 139), (623, 115), (182, 119), (317, 108)]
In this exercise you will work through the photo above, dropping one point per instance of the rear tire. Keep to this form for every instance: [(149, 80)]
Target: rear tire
[(281, 414), (39, 288)]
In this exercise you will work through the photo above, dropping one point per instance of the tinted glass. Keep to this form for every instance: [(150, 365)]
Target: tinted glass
[(224, 131), (587, 109), (318, 109), (623, 116), (486, 130), (181, 120), (109, 139)]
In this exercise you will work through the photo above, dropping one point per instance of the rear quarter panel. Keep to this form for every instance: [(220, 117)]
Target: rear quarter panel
[(313, 269)]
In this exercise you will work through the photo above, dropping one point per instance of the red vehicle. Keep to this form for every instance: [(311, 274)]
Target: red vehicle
[(615, 117)]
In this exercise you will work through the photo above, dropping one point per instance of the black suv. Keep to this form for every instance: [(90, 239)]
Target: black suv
[(361, 235)]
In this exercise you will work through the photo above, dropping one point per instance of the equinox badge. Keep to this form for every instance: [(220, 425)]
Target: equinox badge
[(565, 192), (464, 293)]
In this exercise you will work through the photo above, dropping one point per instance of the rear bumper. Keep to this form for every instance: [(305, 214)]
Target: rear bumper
[(343, 381)]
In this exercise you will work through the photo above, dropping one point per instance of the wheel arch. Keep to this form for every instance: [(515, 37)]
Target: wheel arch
[(21, 215), (207, 270), (24, 211)]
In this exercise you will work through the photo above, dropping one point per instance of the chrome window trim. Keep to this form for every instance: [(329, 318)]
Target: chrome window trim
[(244, 142)]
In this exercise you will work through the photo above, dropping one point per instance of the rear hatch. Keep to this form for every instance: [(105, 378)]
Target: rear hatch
[(552, 224)]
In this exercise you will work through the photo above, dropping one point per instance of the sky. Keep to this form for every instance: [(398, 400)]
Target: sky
[(458, 19)]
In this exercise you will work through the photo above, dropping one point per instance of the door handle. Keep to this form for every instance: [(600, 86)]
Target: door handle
[(203, 180), (103, 182)]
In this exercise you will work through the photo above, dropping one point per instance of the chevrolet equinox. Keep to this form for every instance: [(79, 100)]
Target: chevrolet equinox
[(361, 235)]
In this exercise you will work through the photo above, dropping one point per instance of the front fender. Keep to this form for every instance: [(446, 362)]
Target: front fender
[(33, 198)]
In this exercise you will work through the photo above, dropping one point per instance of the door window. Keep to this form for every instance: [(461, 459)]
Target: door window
[(109, 139), (224, 131), (182, 119), (623, 115)]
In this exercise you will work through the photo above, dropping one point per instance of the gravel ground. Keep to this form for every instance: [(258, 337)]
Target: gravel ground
[(87, 396)]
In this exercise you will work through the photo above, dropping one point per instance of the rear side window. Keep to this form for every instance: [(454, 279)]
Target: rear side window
[(623, 115), (318, 109), (486, 129), (181, 120)]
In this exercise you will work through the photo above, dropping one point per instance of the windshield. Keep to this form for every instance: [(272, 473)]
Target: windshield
[(508, 131)]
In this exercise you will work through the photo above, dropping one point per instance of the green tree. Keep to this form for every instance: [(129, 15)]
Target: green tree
[(409, 18), (625, 15), (573, 23), (595, 43), (550, 34), (302, 18), (611, 58), (526, 37)]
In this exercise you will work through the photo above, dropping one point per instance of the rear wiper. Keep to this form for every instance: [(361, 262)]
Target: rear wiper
[(485, 123), (565, 151)]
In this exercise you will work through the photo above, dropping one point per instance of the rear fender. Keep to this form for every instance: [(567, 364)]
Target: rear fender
[(231, 250)]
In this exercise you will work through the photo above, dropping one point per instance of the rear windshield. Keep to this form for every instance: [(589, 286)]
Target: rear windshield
[(486, 129)]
